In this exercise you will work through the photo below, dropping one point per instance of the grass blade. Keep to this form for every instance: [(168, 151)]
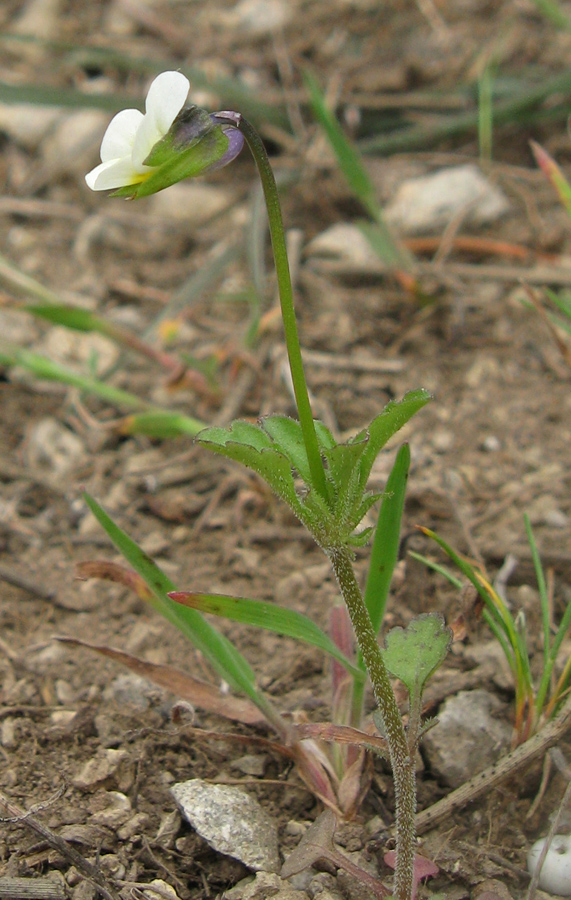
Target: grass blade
[(420, 137), (161, 425), (485, 114), (232, 92), (43, 367), (544, 599), (436, 567), (260, 614), (553, 12), (216, 648), (357, 177), (385, 548)]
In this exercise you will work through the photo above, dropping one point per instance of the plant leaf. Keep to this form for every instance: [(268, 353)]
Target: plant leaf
[(384, 553), (385, 425), (252, 446), (219, 651), (198, 692), (415, 652), (260, 614), (160, 424)]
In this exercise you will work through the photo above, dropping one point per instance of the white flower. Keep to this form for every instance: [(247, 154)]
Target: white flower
[(131, 136)]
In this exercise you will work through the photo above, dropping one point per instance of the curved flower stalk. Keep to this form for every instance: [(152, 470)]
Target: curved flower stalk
[(144, 153)]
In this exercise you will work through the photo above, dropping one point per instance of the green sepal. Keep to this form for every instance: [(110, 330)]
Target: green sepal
[(178, 164), (413, 654)]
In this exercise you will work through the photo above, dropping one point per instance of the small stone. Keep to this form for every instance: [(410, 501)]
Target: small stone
[(556, 518), (317, 574), (259, 16), (428, 204), (491, 444), (251, 764), (545, 511), (264, 885), (290, 588), (64, 692), (442, 440), (85, 890), (28, 125), (467, 738), (155, 543), (78, 350), (295, 829), (52, 449), (69, 147), (168, 829), (8, 735), (345, 243), (111, 767), (194, 203), (163, 890), (62, 717), (231, 821), (116, 812), (135, 825), (555, 877)]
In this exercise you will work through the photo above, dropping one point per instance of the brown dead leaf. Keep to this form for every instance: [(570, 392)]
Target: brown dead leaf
[(199, 693)]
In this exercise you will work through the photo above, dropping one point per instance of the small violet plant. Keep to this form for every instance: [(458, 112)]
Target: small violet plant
[(322, 481)]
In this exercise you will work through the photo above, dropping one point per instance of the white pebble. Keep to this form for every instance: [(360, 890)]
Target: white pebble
[(555, 877)]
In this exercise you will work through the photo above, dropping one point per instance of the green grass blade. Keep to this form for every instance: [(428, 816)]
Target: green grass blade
[(356, 175), (554, 174), (485, 114), (420, 137), (553, 12), (384, 552), (347, 156), (261, 614), (501, 638), (161, 425), (44, 95), (544, 600), (436, 567), (562, 301), (153, 422), (71, 317), (22, 283), (498, 611), (232, 92), (217, 649), (42, 367)]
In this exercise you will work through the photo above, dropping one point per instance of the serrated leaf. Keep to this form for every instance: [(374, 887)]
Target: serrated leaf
[(239, 432), (384, 426), (265, 615), (250, 445), (413, 653), (287, 436)]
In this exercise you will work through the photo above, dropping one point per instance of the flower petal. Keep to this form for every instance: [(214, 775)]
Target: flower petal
[(114, 173), (167, 96), (119, 138)]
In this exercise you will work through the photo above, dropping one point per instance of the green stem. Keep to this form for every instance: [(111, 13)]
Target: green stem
[(402, 761), (286, 301)]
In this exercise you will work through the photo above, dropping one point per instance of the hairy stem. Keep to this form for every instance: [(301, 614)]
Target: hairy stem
[(286, 301), (402, 761)]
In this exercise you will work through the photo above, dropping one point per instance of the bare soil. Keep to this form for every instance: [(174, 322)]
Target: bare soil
[(493, 444)]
